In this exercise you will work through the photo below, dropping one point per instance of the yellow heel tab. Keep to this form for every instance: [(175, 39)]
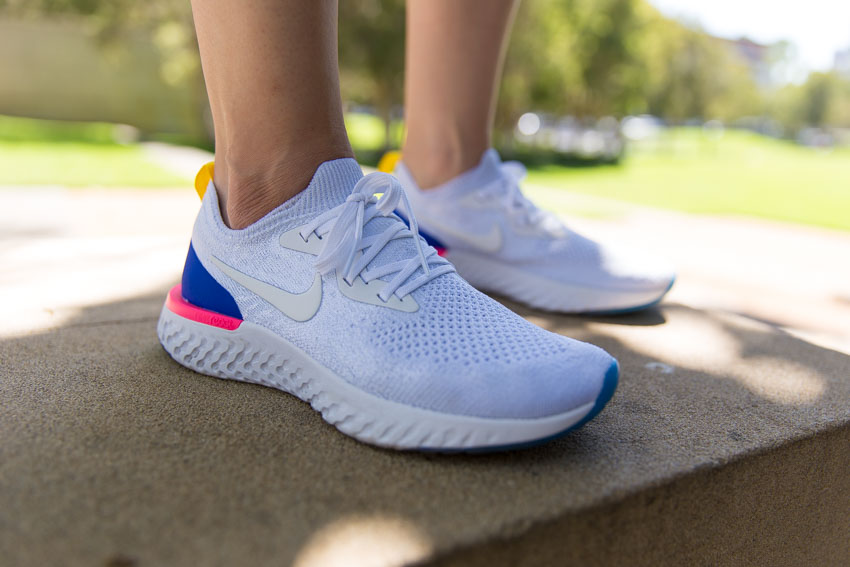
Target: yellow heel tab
[(202, 180), (389, 161)]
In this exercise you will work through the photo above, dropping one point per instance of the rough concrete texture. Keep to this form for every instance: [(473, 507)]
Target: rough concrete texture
[(726, 443)]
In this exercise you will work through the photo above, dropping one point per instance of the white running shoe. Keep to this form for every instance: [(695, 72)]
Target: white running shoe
[(500, 242), (332, 298)]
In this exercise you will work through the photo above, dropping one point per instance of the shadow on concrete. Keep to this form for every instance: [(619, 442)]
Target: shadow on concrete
[(111, 449), (644, 318), (21, 234)]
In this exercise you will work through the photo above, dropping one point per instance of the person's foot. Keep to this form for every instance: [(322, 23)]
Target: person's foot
[(330, 297), (500, 242)]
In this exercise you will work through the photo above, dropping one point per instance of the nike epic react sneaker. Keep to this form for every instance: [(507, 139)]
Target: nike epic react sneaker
[(332, 298), (500, 242)]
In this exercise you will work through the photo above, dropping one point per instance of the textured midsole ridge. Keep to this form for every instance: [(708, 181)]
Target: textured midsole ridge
[(254, 354)]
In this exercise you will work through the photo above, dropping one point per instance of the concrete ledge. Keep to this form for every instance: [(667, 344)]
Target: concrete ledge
[(112, 451), (787, 506)]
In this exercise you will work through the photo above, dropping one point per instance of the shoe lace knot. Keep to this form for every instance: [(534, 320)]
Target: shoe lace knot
[(349, 252)]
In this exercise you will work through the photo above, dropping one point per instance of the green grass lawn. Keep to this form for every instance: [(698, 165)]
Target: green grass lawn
[(740, 174), (81, 165), (47, 152)]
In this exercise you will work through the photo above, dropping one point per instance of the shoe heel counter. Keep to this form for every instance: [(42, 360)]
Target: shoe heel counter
[(201, 289)]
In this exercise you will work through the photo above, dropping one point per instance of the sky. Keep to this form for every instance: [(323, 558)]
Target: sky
[(818, 28)]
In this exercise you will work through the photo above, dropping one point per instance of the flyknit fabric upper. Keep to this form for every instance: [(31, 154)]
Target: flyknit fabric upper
[(565, 257), (459, 353)]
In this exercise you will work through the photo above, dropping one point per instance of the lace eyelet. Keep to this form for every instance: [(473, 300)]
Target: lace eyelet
[(378, 295)]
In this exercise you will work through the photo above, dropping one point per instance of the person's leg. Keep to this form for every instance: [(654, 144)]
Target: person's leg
[(331, 297), (455, 50), (273, 81), (468, 202)]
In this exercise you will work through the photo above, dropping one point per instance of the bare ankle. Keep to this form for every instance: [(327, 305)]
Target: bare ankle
[(435, 163), (249, 188), (245, 200)]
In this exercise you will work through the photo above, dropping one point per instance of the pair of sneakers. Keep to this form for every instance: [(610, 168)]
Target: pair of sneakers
[(341, 299)]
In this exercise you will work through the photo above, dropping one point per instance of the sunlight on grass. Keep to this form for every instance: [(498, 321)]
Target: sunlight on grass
[(366, 131), (18, 129), (75, 154), (740, 173), (81, 164)]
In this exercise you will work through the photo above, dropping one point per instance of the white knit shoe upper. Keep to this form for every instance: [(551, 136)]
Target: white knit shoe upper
[(500, 241), (457, 352)]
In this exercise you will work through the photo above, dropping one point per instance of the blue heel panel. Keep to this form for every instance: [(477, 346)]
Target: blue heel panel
[(202, 290), (432, 241)]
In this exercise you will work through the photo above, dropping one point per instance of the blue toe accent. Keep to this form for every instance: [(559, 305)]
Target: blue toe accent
[(202, 290), (609, 385)]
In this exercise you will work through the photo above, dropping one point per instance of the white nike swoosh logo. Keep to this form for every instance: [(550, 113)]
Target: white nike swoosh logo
[(489, 242), (297, 306)]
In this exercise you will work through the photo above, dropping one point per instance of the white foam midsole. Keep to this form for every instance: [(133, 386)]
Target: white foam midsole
[(252, 353), (498, 277)]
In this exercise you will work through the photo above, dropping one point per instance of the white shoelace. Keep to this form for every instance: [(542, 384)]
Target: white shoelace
[(524, 212), (344, 224)]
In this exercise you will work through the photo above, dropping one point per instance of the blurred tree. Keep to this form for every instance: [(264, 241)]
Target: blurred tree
[(539, 70), (592, 58), (371, 54), (610, 55), (822, 101), (819, 99), (692, 75), (585, 58)]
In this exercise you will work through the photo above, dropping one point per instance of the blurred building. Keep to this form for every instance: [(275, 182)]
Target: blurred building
[(56, 69), (841, 63), (758, 57)]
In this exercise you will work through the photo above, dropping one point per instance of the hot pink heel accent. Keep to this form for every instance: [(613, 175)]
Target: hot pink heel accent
[(176, 304)]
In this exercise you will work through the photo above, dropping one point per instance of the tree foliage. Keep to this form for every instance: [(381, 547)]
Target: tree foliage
[(822, 101), (585, 58), (371, 54), (616, 57)]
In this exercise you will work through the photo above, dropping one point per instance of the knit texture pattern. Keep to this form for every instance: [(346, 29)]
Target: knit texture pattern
[(568, 257), (460, 352)]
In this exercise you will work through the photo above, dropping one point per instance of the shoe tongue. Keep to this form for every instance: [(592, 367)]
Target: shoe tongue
[(331, 185), (394, 251), (490, 163), (401, 249), (488, 170)]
